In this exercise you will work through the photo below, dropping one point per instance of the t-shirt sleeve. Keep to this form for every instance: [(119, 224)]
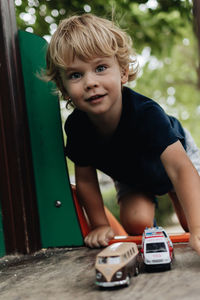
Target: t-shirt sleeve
[(75, 148), (158, 130)]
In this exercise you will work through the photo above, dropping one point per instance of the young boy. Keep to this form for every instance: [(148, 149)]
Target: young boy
[(120, 132)]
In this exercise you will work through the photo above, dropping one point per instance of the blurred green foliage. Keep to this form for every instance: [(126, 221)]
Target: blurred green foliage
[(164, 211), (110, 201), (164, 39), (163, 36), (154, 23)]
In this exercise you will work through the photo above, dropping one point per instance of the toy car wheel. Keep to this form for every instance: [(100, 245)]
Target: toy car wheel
[(168, 267)]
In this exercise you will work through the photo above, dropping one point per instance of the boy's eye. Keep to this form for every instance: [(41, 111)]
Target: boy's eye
[(101, 68), (75, 75)]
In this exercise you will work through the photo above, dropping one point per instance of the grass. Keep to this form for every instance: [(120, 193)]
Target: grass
[(110, 201)]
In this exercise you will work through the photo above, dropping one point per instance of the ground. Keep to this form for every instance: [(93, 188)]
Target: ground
[(69, 274)]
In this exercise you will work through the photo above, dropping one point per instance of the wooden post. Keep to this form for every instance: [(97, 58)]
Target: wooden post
[(17, 187)]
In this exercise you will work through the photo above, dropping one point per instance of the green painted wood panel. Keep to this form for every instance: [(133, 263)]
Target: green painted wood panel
[(59, 225)]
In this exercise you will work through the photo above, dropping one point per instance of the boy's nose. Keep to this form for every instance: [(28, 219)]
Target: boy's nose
[(90, 82)]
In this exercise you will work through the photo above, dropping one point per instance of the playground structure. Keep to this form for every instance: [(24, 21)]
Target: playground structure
[(39, 208), (34, 214)]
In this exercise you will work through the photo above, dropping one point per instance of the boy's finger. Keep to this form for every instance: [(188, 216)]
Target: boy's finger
[(110, 234)]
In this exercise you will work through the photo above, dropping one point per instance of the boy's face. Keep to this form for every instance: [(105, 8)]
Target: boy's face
[(94, 86)]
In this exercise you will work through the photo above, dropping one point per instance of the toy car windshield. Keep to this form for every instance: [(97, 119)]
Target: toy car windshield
[(155, 247)]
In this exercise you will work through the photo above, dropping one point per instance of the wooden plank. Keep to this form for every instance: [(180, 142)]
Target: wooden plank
[(67, 274)]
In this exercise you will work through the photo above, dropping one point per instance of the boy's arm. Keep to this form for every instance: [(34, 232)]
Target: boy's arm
[(89, 194), (186, 182)]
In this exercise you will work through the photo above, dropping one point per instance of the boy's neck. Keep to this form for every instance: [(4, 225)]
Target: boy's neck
[(107, 123)]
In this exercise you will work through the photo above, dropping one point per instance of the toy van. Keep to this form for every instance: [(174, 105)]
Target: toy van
[(116, 264), (157, 249)]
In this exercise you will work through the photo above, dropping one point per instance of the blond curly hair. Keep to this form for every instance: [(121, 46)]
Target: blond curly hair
[(88, 36)]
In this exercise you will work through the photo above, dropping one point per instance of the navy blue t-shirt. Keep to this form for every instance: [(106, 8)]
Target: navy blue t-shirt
[(132, 154)]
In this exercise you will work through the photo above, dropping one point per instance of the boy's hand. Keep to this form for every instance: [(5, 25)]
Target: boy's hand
[(195, 242), (99, 237)]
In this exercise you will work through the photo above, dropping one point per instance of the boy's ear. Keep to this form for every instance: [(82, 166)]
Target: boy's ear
[(124, 75)]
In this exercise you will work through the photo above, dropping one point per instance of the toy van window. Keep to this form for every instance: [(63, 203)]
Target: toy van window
[(109, 260), (125, 256), (112, 260), (155, 247), (102, 260)]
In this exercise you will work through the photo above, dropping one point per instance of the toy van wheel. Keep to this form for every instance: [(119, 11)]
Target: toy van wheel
[(127, 281), (136, 271)]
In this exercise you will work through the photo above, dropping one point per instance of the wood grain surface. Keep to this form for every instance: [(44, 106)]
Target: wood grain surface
[(69, 274)]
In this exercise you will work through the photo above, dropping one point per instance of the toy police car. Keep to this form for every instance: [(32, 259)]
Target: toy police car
[(157, 249)]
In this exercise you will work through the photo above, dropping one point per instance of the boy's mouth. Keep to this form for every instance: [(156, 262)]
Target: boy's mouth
[(95, 97)]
